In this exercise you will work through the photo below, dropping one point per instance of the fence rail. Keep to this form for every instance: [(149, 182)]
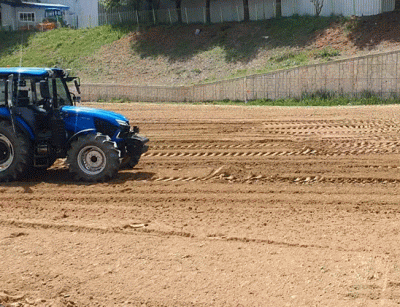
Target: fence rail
[(225, 11), (378, 74)]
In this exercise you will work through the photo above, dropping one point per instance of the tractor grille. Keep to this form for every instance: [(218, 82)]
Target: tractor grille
[(105, 127)]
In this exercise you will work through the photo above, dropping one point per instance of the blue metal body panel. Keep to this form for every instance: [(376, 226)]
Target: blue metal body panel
[(30, 71), (5, 113), (90, 113), (77, 119)]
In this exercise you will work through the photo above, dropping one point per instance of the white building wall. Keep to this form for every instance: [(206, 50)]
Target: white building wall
[(82, 13), (8, 17)]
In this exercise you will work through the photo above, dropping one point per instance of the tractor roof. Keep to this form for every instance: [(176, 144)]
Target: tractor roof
[(31, 72)]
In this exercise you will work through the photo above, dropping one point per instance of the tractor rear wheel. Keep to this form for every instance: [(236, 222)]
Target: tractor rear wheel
[(93, 157), (15, 153)]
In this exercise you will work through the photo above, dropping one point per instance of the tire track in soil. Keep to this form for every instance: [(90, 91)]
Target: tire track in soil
[(314, 178), (129, 229)]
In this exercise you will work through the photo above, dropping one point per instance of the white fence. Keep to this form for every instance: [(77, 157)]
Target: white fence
[(338, 7), (225, 11)]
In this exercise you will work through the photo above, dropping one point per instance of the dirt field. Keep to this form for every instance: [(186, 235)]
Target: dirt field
[(231, 206)]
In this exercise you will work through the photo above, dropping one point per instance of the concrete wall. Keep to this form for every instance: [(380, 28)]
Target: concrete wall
[(375, 73)]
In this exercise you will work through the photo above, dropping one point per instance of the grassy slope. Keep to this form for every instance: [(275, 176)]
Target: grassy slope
[(62, 47), (174, 55)]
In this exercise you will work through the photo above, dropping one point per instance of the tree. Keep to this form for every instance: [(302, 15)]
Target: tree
[(397, 5), (246, 11), (318, 4), (135, 4), (178, 5), (118, 3), (208, 12)]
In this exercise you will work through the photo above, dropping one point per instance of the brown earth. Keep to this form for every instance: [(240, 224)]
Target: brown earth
[(231, 206), (172, 56)]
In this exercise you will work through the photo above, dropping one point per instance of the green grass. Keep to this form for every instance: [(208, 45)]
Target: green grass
[(61, 47), (230, 47), (317, 99)]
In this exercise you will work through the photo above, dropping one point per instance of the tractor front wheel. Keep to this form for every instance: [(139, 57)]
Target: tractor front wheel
[(15, 153), (93, 157)]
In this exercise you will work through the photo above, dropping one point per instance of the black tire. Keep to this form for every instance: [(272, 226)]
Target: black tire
[(15, 154), (129, 162), (133, 154), (93, 157)]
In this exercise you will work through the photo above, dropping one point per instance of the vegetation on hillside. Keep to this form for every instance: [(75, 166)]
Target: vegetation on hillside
[(61, 47), (187, 54)]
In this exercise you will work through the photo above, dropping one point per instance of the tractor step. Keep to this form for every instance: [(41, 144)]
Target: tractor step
[(41, 155), (40, 161)]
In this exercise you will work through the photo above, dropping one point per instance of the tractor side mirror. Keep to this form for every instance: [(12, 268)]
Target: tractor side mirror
[(78, 85)]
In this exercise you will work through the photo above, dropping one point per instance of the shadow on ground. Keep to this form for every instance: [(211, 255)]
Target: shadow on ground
[(240, 41), (12, 41), (369, 31), (62, 176)]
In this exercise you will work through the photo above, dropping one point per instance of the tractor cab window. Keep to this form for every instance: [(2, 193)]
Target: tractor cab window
[(24, 92), (2, 92), (63, 97)]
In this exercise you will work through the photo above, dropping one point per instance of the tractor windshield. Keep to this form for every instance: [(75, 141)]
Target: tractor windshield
[(63, 96), (32, 91)]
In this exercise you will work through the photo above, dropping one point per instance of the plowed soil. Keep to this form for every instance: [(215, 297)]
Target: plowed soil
[(231, 206)]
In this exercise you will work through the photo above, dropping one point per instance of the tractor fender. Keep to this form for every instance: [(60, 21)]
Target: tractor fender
[(78, 134), (21, 124)]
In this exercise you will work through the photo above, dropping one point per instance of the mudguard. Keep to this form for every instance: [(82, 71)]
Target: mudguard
[(21, 124)]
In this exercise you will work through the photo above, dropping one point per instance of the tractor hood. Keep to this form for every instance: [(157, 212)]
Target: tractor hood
[(91, 113)]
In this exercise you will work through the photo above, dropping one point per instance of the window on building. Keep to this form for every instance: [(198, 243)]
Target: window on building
[(27, 17)]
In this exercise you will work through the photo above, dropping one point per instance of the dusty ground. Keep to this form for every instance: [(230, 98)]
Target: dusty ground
[(232, 206)]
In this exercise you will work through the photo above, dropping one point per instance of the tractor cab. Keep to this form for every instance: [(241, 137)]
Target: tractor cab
[(34, 99)]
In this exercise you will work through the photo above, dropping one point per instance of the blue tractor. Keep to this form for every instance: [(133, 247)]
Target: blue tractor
[(40, 122)]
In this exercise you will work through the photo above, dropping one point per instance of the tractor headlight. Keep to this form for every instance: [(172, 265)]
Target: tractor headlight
[(122, 122)]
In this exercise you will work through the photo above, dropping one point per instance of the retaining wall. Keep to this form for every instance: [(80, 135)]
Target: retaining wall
[(378, 73)]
